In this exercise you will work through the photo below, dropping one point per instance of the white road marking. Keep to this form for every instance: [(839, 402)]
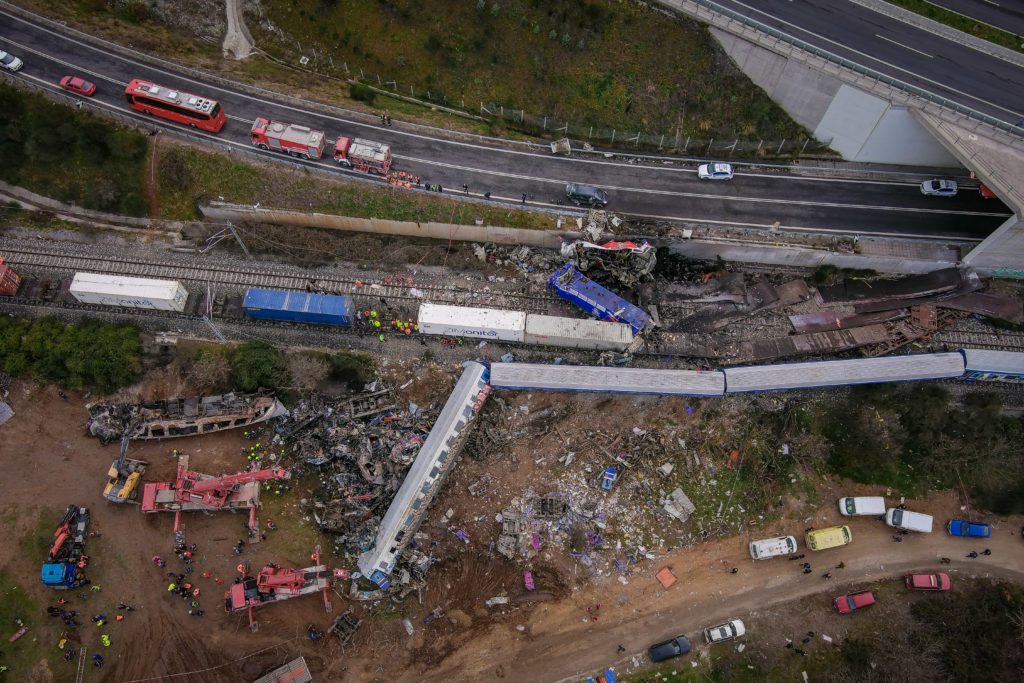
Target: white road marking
[(393, 131), (875, 59), (905, 47)]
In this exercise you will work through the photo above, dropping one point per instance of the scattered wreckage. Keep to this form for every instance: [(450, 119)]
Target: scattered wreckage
[(176, 417)]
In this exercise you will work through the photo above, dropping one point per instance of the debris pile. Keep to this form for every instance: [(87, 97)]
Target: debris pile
[(361, 447), (523, 258)]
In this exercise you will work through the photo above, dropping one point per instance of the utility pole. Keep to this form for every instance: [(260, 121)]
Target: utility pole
[(238, 238)]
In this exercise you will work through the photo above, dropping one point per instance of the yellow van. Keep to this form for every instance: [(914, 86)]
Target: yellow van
[(830, 537)]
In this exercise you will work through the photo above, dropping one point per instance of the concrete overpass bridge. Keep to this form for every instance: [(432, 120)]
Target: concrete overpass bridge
[(871, 116)]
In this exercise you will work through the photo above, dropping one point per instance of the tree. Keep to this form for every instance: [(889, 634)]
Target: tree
[(256, 365), (306, 370), (209, 371)]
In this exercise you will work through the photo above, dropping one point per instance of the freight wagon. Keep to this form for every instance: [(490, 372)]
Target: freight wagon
[(550, 330), (462, 321), (299, 307), (10, 281), (597, 301), (128, 292)]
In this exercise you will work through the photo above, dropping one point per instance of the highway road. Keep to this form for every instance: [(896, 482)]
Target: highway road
[(1005, 14), (651, 188), (950, 69)]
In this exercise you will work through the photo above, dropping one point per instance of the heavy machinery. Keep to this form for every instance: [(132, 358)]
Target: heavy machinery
[(273, 584), (192, 491), (124, 474), (67, 554)]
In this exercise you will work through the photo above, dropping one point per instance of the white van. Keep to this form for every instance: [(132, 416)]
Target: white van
[(862, 505), (772, 547), (910, 521)]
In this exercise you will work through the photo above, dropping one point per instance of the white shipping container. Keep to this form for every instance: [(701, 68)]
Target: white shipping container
[(130, 292), (581, 334), (461, 321)]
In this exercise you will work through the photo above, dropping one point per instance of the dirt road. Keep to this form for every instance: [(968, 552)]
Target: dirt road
[(560, 642)]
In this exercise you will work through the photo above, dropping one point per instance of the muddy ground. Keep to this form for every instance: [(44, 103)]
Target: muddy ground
[(571, 624)]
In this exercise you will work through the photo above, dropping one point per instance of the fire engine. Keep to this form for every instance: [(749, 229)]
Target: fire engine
[(363, 155), (289, 138)]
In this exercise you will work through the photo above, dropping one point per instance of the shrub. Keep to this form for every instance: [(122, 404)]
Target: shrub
[(90, 354), (354, 369), (256, 365), (362, 93)]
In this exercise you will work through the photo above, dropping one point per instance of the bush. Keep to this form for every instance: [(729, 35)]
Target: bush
[(354, 369), (256, 365), (92, 354), (362, 93)]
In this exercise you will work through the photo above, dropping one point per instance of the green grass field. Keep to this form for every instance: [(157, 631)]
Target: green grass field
[(601, 63)]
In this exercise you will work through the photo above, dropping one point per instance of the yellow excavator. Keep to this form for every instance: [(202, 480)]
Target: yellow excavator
[(125, 474)]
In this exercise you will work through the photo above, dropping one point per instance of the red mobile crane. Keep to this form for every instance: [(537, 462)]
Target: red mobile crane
[(273, 584), (194, 491)]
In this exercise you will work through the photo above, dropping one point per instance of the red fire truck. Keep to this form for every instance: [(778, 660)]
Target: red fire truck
[(294, 140), (363, 155)]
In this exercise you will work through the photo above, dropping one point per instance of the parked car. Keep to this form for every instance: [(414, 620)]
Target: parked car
[(78, 85), (772, 547), (927, 582), (586, 195), (829, 537), (845, 604), (898, 518), (727, 631), (10, 62), (679, 645), (714, 171), (939, 188), (961, 527), (862, 505)]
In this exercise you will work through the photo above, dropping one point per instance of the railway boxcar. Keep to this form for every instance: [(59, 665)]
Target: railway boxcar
[(597, 301), (129, 292), (462, 321), (611, 380), (993, 366), (299, 307), (552, 330), (842, 372), (10, 281)]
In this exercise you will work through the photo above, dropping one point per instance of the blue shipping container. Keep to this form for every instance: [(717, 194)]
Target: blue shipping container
[(578, 289), (300, 307)]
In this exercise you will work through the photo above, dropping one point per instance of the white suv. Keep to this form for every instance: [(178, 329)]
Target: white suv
[(10, 62), (727, 631)]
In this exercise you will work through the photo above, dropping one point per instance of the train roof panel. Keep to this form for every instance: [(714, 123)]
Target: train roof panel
[(577, 288), (1001, 362), (615, 380), (842, 372)]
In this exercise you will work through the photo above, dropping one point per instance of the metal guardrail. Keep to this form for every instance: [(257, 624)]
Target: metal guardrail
[(713, 8)]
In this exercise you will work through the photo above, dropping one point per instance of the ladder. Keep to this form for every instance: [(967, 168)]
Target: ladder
[(81, 665)]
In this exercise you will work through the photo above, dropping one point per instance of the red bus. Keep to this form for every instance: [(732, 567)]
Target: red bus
[(168, 103)]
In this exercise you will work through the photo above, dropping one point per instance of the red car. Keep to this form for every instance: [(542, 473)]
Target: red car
[(985, 192), (927, 582), (845, 604), (78, 85)]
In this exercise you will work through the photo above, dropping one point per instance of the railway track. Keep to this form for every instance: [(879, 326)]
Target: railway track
[(996, 340), (275, 277)]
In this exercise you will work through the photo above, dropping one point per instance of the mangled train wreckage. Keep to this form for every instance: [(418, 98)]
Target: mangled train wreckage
[(176, 417)]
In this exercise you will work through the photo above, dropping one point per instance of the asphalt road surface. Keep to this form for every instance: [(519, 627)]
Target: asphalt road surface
[(947, 68), (1005, 14), (656, 189)]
